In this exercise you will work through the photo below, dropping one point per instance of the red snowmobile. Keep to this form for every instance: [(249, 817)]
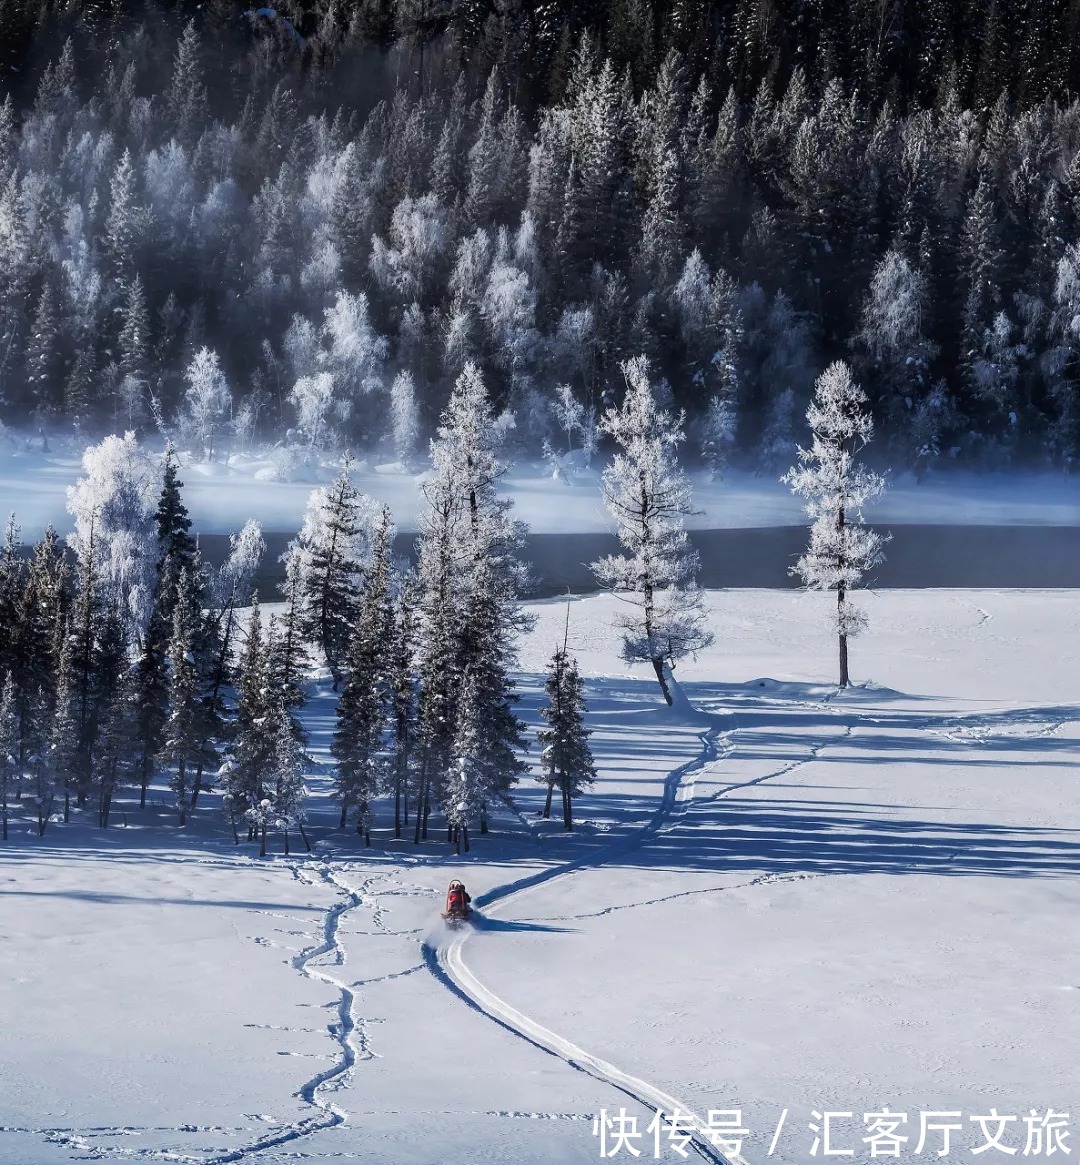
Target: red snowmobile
[(457, 904)]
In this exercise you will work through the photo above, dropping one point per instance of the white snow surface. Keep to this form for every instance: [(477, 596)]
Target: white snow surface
[(223, 496), (779, 896)]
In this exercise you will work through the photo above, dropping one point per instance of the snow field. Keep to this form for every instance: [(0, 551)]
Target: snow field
[(864, 902)]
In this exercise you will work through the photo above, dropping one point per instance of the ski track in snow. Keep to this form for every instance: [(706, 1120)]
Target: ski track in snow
[(447, 960)]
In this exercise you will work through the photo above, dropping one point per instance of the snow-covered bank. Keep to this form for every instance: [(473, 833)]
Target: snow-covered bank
[(222, 497), (862, 905)]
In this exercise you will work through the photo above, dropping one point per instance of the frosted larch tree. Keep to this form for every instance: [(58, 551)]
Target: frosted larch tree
[(836, 487), (648, 496)]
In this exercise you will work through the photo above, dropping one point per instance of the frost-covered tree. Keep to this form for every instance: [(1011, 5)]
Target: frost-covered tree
[(403, 691), (114, 537), (54, 770), (836, 487), (404, 417), (206, 403), (313, 399), (288, 647), (251, 762), (182, 734), (567, 762), (354, 351), (648, 496), (9, 749), (892, 341), (469, 578), (336, 543), (290, 791), (718, 434)]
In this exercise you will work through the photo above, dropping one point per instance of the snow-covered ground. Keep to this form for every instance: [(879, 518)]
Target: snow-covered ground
[(780, 898), (223, 497)]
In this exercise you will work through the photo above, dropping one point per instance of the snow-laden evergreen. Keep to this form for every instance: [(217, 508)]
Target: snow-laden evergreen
[(334, 546), (363, 713), (567, 761)]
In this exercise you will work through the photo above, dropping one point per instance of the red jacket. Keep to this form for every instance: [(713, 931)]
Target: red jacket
[(456, 900)]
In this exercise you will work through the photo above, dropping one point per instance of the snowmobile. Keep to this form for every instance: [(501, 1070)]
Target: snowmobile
[(457, 904)]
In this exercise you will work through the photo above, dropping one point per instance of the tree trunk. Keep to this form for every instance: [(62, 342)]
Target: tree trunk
[(285, 834), (483, 824), (397, 806), (661, 679), (455, 837), (465, 837), (547, 803), (4, 811), (196, 789), (262, 841), (304, 836), (840, 599), (67, 806), (344, 814), (421, 794), (567, 811)]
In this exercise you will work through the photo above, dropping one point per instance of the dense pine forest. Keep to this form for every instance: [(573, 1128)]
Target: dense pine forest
[(223, 225)]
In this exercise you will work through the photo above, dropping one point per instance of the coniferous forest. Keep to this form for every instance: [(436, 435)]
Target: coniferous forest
[(228, 223)]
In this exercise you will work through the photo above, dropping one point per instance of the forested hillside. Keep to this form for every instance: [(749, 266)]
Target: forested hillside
[(226, 225)]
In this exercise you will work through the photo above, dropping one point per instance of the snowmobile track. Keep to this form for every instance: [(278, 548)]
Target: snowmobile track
[(447, 963)]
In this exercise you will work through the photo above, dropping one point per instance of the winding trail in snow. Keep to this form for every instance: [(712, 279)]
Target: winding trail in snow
[(446, 960)]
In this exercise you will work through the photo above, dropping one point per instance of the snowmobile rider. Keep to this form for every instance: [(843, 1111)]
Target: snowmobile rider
[(457, 900)]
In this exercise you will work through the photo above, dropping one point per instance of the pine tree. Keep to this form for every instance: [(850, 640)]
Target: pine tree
[(405, 417), (897, 352), (469, 578), (335, 541), (403, 690), (290, 792), (252, 756), (359, 744), (39, 629), (44, 363), (134, 364), (288, 654), (836, 488), (185, 103), (9, 749), (182, 735), (176, 557), (11, 587), (648, 496), (121, 225), (54, 770), (463, 787), (566, 756), (113, 697)]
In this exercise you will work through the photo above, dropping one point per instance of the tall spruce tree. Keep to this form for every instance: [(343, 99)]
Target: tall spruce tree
[(359, 745), (183, 736), (335, 542), (566, 756), (9, 749)]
